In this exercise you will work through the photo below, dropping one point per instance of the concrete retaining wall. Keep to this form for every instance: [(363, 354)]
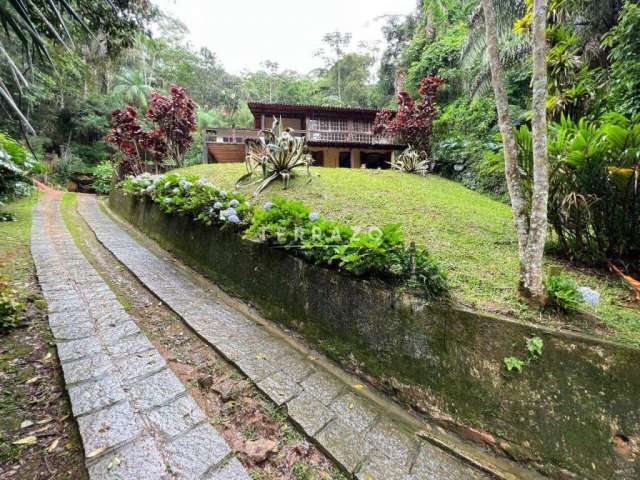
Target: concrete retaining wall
[(576, 408)]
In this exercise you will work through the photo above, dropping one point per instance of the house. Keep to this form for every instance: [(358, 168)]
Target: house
[(336, 136)]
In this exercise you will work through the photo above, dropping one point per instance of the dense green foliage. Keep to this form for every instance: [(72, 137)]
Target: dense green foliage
[(16, 165), (625, 61), (563, 293), (10, 309), (594, 198), (103, 176)]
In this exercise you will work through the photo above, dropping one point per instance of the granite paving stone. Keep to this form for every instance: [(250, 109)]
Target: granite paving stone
[(86, 369), (323, 386), (280, 387), (108, 427), (75, 349), (95, 394), (137, 460), (139, 365), (231, 471), (355, 411), (176, 417), (309, 413), (191, 455), (344, 443), (156, 390)]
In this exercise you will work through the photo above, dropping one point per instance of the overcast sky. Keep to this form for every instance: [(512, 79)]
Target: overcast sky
[(244, 33)]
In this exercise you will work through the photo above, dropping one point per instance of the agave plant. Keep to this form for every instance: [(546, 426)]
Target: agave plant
[(412, 160), (275, 154)]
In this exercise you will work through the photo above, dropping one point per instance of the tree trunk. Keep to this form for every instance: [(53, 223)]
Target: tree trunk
[(533, 282), (530, 228)]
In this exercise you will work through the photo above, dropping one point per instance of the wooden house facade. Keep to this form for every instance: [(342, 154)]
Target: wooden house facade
[(336, 136)]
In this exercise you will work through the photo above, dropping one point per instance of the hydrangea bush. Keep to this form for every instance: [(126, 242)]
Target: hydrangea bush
[(289, 224), (193, 196)]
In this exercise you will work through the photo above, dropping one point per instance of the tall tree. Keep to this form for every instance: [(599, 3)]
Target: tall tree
[(530, 214), (338, 42)]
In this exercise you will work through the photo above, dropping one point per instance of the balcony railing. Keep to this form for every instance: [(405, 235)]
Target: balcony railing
[(239, 135)]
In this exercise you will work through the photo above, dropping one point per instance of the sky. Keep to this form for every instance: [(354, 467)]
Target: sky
[(245, 33)]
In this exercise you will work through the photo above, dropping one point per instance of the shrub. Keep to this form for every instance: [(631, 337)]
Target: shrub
[(192, 196), (379, 252), (413, 122), (15, 167), (174, 120), (276, 153), (594, 197), (10, 309), (562, 293), (411, 160), (103, 175)]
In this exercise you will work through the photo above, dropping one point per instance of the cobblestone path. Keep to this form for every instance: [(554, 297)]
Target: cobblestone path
[(135, 418), (355, 431)]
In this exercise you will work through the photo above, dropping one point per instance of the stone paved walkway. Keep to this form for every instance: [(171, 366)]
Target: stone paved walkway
[(356, 432), (135, 418)]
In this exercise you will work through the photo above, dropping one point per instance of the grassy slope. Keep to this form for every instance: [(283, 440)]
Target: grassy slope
[(471, 234)]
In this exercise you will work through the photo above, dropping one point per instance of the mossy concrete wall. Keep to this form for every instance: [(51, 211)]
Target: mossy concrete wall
[(576, 408)]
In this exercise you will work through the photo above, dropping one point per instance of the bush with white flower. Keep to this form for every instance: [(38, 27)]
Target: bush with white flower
[(190, 195)]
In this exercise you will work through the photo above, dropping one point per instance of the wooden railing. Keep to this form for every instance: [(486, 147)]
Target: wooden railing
[(239, 135)]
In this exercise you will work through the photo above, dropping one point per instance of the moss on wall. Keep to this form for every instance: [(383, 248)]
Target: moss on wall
[(563, 410)]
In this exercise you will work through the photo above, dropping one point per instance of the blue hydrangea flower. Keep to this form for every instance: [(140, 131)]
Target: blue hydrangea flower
[(267, 205), (313, 216), (229, 211), (233, 219), (234, 203), (589, 296), (202, 182), (223, 194), (217, 205)]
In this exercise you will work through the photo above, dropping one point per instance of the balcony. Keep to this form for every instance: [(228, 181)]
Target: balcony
[(240, 135)]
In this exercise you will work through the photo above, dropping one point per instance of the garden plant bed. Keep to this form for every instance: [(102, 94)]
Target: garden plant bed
[(574, 408), (469, 233)]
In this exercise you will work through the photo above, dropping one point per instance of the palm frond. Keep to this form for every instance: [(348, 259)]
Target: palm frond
[(509, 58), (507, 12)]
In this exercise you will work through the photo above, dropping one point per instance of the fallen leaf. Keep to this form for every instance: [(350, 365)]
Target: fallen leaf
[(47, 357), (26, 423), (30, 440), (95, 452), (358, 386), (44, 420), (53, 445), (32, 380), (261, 356), (115, 461), (68, 445), (351, 406)]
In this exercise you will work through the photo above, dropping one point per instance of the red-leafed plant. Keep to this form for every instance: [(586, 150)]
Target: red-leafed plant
[(173, 118), (412, 123)]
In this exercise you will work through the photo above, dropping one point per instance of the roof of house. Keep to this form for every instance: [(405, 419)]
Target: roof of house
[(259, 107)]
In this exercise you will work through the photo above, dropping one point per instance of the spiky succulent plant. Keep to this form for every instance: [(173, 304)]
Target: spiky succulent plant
[(275, 154), (412, 160)]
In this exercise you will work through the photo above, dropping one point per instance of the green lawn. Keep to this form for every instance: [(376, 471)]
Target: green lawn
[(471, 234)]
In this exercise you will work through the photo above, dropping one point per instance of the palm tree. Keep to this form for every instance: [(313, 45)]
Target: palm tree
[(131, 86)]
